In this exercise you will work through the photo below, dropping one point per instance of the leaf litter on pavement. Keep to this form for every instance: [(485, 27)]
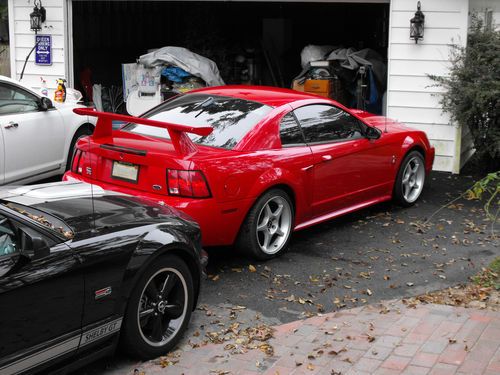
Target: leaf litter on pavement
[(353, 272)]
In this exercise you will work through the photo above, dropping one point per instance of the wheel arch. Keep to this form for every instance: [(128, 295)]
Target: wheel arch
[(147, 253), (72, 140)]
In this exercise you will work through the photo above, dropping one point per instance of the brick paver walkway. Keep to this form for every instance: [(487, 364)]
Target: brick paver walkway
[(388, 338)]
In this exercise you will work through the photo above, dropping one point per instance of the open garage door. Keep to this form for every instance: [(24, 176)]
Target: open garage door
[(267, 36)]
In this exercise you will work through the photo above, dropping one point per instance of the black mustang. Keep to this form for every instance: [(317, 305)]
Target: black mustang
[(82, 270)]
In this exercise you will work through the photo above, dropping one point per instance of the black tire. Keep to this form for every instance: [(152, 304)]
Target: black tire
[(248, 238), (398, 193), (134, 334), (83, 131)]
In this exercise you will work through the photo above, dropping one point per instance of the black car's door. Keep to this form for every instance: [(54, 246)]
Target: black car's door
[(41, 300)]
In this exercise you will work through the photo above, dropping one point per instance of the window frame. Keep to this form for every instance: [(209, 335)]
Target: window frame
[(361, 125), (23, 90), (304, 143)]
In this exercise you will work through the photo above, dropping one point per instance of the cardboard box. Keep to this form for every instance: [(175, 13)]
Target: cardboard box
[(317, 86), (298, 85)]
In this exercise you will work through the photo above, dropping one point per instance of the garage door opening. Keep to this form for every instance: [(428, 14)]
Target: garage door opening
[(268, 35)]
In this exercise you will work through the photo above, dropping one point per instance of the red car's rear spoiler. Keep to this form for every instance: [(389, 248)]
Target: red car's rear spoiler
[(182, 143)]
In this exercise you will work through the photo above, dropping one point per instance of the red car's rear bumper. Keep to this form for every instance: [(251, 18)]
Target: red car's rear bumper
[(219, 222)]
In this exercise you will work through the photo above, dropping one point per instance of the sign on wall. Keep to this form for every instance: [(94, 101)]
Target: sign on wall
[(43, 51)]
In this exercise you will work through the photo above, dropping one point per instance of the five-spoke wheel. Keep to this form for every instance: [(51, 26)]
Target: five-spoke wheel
[(159, 308), (162, 306), (410, 180), (268, 226), (274, 224)]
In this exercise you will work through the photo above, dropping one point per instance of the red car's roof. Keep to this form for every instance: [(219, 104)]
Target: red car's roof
[(272, 96)]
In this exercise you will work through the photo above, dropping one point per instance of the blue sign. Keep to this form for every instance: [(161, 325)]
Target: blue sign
[(43, 51)]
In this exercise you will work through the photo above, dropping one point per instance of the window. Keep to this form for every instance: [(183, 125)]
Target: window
[(16, 100), (231, 118), (290, 132), (324, 123), (7, 237)]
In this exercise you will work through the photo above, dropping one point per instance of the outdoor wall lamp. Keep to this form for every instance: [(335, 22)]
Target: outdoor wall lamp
[(38, 16), (417, 25)]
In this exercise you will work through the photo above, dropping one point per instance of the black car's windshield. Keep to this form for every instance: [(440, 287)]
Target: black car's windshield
[(231, 118)]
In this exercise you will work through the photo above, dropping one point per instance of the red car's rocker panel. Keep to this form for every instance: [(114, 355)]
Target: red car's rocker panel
[(225, 186)]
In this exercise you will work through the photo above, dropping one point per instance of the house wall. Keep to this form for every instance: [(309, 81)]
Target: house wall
[(23, 40), (411, 97)]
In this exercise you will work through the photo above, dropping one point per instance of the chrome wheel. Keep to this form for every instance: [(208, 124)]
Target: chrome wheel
[(274, 225), (163, 307), (413, 179)]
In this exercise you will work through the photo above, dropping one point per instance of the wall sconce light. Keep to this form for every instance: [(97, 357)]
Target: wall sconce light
[(417, 25), (38, 16)]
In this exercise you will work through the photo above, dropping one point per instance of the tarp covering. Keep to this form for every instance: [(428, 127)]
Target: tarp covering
[(351, 59), (183, 58)]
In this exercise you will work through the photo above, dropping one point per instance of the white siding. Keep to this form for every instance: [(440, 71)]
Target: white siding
[(23, 40), (411, 96)]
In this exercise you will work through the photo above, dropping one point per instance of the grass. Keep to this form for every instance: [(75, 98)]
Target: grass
[(490, 276)]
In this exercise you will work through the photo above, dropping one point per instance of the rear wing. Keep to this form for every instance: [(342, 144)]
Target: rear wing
[(182, 143)]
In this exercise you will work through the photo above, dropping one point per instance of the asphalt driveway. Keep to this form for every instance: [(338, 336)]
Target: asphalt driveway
[(383, 252)]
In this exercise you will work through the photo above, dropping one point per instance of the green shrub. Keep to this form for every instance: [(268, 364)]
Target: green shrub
[(473, 90)]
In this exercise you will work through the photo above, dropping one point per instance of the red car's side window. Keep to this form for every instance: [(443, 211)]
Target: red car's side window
[(324, 123), (290, 132)]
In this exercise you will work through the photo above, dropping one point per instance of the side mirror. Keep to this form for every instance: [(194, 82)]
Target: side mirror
[(40, 248), (372, 133), (33, 244), (45, 104)]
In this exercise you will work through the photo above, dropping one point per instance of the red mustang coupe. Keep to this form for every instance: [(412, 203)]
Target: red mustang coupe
[(253, 164)]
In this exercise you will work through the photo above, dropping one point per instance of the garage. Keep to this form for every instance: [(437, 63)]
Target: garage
[(251, 42)]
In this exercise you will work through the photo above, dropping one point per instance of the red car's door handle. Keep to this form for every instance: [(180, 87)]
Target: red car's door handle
[(326, 157), (305, 169)]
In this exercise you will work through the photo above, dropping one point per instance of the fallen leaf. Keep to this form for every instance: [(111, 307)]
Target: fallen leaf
[(252, 268)]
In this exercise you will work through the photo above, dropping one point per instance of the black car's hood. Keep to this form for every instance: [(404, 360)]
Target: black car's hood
[(91, 211)]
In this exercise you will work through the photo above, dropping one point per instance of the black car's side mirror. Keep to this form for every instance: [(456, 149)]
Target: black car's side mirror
[(40, 248), (45, 104), (372, 133), (33, 244)]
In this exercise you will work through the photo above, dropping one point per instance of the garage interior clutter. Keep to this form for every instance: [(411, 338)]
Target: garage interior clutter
[(131, 55)]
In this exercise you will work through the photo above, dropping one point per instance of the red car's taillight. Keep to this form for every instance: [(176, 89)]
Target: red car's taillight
[(77, 163), (187, 184)]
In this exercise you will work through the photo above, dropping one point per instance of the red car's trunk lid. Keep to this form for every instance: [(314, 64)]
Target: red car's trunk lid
[(131, 161)]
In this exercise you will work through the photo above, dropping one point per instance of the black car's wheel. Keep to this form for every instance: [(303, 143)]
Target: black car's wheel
[(410, 179), (268, 226), (80, 133), (159, 308)]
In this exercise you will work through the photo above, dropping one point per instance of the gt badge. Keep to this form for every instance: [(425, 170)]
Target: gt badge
[(101, 293)]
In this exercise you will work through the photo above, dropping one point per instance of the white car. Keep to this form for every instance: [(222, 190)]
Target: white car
[(36, 136)]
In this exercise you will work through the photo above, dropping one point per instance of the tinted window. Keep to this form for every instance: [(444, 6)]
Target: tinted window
[(290, 132), (323, 123), (8, 242), (16, 100), (230, 118)]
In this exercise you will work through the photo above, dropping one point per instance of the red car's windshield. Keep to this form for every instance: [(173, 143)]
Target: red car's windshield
[(231, 118)]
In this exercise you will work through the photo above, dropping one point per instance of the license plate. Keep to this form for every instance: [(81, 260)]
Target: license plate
[(125, 171)]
